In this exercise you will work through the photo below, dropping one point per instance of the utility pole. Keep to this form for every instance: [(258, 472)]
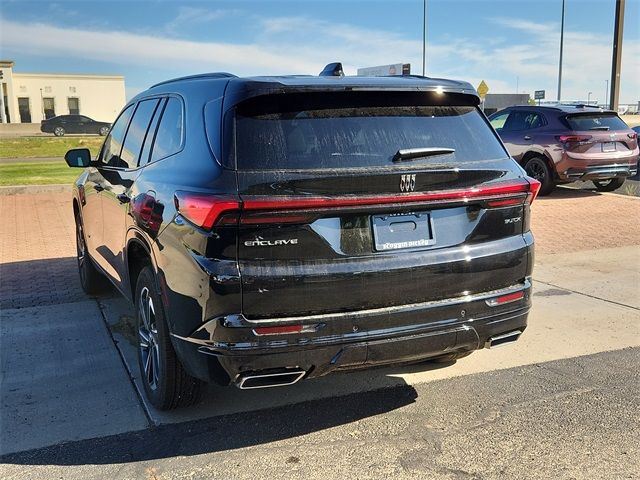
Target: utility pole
[(606, 93), (424, 37), (560, 62), (617, 56)]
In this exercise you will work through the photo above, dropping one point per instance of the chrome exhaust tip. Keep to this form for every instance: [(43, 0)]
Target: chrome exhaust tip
[(268, 380), (503, 339)]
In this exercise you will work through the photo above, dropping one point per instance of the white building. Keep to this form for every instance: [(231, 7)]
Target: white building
[(31, 97)]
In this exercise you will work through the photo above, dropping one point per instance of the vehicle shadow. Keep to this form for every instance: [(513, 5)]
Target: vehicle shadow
[(567, 192), (222, 433), (319, 405), (34, 283)]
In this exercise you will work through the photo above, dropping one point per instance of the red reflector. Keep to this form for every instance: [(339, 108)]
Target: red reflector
[(277, 330), (512, 297), (202, 209)]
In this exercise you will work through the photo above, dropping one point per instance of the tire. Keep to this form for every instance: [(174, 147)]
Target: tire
[(537, 167), (59, 132), (103, 131), (450, 357), (608, 185), (166, 383), (91, 279)]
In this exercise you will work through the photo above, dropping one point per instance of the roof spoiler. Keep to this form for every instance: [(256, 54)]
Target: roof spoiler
[(332, 70)]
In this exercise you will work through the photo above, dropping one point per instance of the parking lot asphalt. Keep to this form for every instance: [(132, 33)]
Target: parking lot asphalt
[(563, 401)]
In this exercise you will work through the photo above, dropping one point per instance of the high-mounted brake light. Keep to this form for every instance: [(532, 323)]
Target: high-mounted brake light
[(203, 210)]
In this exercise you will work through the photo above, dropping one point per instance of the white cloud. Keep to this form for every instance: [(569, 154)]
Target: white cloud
[(192, 15), (304, 45)]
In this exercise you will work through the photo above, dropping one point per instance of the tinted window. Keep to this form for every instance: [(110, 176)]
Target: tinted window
[(137, 132), (518, 120), (146, 149), (110, 154), (169, 135), (499, 120), (357, 135), (596, 122)]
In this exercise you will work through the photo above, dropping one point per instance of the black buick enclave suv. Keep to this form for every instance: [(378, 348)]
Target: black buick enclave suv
[(270, 229)]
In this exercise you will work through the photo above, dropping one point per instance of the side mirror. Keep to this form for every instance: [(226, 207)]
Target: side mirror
[(78, 157)]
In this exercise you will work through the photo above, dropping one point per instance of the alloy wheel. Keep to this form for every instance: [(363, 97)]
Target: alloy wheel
[(148, 339), (536, 170), (81, 252)]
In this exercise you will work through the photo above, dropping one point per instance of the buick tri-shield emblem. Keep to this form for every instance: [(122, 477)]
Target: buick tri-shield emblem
[(407, 183)]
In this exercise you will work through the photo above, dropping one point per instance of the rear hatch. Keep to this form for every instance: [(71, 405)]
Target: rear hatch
[(598, 135), (355, 201)]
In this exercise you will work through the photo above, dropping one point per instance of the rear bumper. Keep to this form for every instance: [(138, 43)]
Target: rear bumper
[(600, 172), (229, 348)]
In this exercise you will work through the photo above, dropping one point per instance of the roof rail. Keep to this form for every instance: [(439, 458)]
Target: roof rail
[(200, 75), (583, 105)]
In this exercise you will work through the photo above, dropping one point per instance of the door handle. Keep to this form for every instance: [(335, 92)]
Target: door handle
[(98, 187), (527, 137), (123, 198)]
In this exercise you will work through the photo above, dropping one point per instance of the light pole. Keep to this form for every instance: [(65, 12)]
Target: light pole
[(424, 37), (560, 62), (606, 93), (589, 98)]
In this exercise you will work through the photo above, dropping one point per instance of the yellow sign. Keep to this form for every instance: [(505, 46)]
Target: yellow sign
[(483, 89)]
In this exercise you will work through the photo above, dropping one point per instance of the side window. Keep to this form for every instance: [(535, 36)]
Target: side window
[(498, 121), (151, 133), (137, 132), (169, 135), (517, 121), (110, 154), (535, 120)]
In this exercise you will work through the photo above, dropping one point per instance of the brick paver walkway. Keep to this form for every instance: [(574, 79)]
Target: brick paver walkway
[(37, 244), (571, 220)]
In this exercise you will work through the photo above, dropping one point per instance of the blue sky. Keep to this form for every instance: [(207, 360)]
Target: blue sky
[(506, 43)]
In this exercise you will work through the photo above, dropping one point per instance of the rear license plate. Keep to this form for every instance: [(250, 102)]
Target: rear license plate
[(393, 232), (609, 147)]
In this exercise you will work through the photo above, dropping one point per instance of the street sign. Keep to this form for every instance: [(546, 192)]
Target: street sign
[(385, 70), (483, 89), (539, 95)]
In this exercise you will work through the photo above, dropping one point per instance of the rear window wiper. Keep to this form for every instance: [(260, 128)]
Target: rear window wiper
[(600, 128), (412, 153)]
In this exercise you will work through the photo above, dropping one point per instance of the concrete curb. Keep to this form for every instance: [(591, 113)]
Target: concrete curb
[(33, 189)]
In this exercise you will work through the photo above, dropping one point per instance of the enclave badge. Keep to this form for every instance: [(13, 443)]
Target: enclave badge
[(408, 183)]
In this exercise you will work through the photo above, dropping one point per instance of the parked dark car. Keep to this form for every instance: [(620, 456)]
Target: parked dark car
[(62, 124), (561, 144), (270, 229)]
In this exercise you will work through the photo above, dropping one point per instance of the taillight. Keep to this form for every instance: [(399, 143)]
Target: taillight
[(204, 210), (632, 136), (534, 188), (573, 138)]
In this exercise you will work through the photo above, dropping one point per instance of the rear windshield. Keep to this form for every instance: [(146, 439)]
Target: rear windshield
[(596, 122), (347, 134)]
